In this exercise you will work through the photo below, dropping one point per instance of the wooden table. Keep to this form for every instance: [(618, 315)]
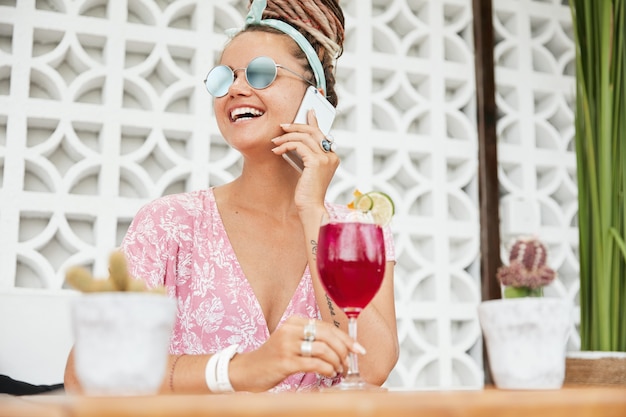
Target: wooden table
[(567, 402)]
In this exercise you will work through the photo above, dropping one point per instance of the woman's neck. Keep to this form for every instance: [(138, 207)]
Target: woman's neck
[(267, 190)]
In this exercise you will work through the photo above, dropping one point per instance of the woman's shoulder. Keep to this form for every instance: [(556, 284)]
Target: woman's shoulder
[(173, 214), (191, 203)]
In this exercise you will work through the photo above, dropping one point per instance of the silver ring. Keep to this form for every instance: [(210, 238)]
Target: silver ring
[(310, 331), (306, 348), (327, 145)]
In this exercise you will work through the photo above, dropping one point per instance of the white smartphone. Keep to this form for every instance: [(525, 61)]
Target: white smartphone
[(325, 113)]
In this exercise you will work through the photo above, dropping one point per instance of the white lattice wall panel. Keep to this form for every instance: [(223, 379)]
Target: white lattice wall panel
[(409, 130), (102, 108), (535, 61)]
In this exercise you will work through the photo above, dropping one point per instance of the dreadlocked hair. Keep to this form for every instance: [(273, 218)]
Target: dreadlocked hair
[(322, 23)]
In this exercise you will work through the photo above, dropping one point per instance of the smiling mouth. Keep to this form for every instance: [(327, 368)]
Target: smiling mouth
[(245, 113)]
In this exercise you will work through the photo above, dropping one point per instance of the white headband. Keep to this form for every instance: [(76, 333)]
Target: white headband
[(254, 18)]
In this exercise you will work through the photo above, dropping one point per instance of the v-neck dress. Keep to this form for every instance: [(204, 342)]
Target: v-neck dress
[(179, 241)]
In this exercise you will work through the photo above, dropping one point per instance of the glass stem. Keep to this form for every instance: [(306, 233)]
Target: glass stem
[(353, 364)]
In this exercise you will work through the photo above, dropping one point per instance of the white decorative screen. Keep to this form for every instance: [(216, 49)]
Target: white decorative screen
[(535, 75), (102, 109)]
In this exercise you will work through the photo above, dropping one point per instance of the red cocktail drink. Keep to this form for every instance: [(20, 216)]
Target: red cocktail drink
[(351, 261), (351, 264)]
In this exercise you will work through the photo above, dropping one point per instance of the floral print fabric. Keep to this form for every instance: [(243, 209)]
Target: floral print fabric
[(179, 241)]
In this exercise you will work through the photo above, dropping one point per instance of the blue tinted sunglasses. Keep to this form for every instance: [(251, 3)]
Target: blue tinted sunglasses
[(260, 73)]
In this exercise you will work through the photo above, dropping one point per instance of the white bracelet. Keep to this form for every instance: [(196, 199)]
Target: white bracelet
[(223, 380), (209, 372), (216, 372)]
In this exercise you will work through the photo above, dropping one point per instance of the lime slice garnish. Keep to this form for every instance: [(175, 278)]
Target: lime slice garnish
[(363, 203), (382, 209)]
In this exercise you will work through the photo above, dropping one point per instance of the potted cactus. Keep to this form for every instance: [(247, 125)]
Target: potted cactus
[(122, 331), (525, 332), (527, 272)]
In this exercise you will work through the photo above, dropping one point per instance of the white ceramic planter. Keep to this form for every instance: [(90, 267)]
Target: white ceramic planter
[(122, 341), (526, 341)]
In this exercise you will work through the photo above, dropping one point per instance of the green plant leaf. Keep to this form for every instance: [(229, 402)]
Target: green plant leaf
[(620, 242), (600, 137)]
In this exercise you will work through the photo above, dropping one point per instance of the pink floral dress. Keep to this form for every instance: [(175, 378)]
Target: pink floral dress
[(179, 241)]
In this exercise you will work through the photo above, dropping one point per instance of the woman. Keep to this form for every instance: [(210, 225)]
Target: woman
[(237, 257)]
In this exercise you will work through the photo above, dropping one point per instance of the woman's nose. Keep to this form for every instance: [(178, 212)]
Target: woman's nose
[(239, 85)]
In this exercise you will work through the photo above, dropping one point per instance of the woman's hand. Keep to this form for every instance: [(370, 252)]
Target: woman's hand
[(283, 355), (319, 166)]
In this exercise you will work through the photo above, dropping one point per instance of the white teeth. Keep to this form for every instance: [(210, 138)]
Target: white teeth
[(235, 114)]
